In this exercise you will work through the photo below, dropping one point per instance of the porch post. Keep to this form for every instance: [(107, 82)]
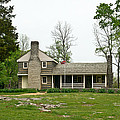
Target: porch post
[(92, 81), (72, 81), (83, 81), (52, 81), (60, 81), (105, 81)]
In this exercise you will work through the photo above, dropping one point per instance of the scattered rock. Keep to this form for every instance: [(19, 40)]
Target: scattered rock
[(44, 110), (22, 99), (44, 107), (116, 104), (88, 105), (97, 112), (65, 116), (110, 116), (63, 103), (91, 98)]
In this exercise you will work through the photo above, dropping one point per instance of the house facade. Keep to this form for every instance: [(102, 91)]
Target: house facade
[(37, 70)]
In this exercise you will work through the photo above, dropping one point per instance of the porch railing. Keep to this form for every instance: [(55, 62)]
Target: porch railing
[(69, 85), (98, 85)]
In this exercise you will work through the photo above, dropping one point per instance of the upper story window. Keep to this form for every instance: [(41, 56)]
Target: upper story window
[(44, 64), (25, 65)]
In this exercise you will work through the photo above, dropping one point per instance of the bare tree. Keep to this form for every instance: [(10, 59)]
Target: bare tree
[(24, 42), (62, 36)]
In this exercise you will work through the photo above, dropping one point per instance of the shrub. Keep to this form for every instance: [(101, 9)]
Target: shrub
[(18, 90), (91, 90), (101, 90), (118, 91), (111, 91), (84, 90), (53, 90), (66, 90), (74, 90), (42, 90)]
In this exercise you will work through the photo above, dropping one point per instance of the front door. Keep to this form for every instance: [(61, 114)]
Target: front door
[(57, 81), (88, 81)]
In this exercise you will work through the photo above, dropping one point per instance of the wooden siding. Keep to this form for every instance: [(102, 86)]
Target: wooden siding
[(49, 69), (21, 70), (20, 82), (49, 83)]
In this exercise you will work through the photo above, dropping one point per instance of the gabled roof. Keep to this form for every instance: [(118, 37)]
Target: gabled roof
[(80, 68), (42, 57)]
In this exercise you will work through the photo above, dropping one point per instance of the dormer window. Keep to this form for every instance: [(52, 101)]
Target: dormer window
[(25, 65), (44, 64)]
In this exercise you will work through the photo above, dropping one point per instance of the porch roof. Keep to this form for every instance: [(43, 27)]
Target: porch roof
[(80, 68)]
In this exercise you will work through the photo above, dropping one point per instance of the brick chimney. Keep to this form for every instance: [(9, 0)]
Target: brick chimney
[(34, 67)]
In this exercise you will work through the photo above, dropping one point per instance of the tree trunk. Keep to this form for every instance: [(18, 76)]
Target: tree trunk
[(109, 71)]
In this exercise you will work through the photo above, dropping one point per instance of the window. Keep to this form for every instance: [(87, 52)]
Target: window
[(44, 64), (99, 78), (25, 65), (78, 79), (44, 80)]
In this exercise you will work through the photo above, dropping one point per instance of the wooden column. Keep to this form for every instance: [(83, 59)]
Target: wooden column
[(52, 81), (60, 81), (105, 81), (72, 81), (83, 81), (92, 81)]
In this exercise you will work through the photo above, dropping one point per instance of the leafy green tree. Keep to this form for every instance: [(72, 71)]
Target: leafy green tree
[(3, 75), (8, 35), (107, 33), (9, 70), (62, 36)]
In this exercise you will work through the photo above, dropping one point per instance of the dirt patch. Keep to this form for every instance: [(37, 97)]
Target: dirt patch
[(26, 94)]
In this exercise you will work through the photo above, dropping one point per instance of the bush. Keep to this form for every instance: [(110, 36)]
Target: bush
[(18, 90), (42, 90), (74, 90), (66, 90), (53, 90), (84, 90), (91, 90), (111, 91), (101, 90), (118, 91)]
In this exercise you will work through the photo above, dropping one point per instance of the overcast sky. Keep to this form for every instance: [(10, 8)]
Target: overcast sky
[(37, 18)]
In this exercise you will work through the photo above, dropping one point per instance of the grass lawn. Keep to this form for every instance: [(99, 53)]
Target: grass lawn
[(80, 106)]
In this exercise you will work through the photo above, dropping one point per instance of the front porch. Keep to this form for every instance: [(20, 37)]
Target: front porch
[(79, 81)]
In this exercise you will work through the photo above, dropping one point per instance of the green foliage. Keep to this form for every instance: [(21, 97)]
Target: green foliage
[(42, 90), (118, 91), (63, 90), (8, 36), (53, 90), (66, 90), (9, 70), (111, 91), (91, 90), (18, 90), (84, 90), (101, 91)]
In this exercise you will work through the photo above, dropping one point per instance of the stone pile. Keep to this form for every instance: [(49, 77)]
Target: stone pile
[(42, 107), (22, 99)]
